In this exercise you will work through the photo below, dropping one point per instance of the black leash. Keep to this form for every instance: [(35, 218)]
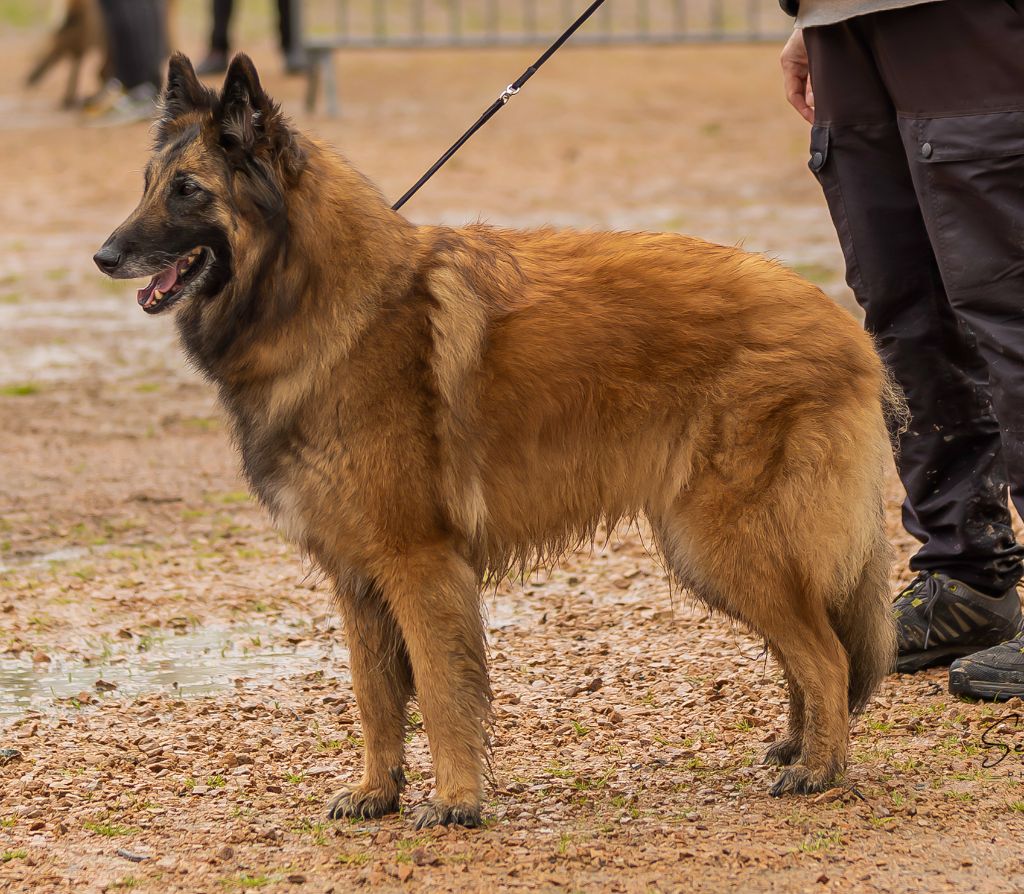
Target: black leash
[(500, 103)]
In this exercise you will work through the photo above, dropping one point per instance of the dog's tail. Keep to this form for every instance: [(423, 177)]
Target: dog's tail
[(865, 625)]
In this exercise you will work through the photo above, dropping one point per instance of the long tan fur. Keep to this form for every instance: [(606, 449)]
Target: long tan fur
[(420, 407)]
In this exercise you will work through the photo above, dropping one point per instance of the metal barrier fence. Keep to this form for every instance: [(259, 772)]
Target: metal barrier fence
[(331, 25)]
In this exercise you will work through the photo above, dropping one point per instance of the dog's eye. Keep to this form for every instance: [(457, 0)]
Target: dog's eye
[(187, 188)]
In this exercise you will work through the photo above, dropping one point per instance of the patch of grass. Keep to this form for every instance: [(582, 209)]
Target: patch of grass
[(353, 859), (147, 387), (108, 830), (404, 848), (316, 831), (246, 881), (816, 273), (960, 796), (821, 840), (129, 881), (23, 13), (294, 777), (19, 854), (580, 729), (57, 273), (234, 496), (559, 770), (201, 423), (11, 298), (23, 390), (216, 781), (1017, 806)]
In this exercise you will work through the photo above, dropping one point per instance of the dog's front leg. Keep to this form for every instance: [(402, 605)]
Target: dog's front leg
[(433, 594), (382, 681)]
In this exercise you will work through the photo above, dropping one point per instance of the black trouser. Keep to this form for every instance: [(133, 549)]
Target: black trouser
[(222, 20), (137, 36), (919, 147)]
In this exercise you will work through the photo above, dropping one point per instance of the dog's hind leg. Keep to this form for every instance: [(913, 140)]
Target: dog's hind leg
[(819, 666), (739, 561), (382, 680), (434, 596), (788, 749)]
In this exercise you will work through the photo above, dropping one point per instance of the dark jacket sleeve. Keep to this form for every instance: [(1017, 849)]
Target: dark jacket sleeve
[(790, 7)]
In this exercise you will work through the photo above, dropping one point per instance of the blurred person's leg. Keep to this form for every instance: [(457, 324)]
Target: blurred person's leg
[(216, 60), (951, 457), (291, 42), (136, 31)]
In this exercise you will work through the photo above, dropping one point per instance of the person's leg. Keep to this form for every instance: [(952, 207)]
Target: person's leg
[(135, 30), (219, 40), (955, 71), (949, 457), (291, 42), (216, 60)]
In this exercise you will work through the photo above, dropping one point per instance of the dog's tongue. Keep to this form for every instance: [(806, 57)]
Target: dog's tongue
[(162, 282)]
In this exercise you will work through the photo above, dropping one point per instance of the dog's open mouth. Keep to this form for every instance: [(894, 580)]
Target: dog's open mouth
[(171, 283)]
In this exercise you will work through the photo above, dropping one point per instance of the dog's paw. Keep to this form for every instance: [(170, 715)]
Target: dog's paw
[(359, 803), (800, 779), (437, 813), (782, 754)]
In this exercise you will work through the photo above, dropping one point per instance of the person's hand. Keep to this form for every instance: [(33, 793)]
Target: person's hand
[(797, 76)]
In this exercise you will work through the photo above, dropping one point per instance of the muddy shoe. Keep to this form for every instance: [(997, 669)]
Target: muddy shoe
[(995, 674), (939, 619)]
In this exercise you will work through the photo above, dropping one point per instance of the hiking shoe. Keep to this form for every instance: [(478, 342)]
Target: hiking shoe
[(138, 104), (995, 674), (216, 62), (939, 619), (102, 102)]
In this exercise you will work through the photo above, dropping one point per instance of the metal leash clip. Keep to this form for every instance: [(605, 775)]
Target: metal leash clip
[(510, 91)]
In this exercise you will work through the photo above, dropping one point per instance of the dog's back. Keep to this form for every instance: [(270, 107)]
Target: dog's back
[(586, 378)]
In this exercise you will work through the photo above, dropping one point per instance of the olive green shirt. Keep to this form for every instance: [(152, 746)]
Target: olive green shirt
[(828, 12)]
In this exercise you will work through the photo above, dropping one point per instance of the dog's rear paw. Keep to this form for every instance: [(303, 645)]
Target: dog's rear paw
[(782, 754), (437, 813), (358, 803), (800, 779)]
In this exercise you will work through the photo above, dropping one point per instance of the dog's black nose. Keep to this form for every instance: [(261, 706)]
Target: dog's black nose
[(108, 259)]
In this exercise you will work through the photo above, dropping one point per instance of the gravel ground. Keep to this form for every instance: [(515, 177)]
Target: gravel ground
[(174, 679)]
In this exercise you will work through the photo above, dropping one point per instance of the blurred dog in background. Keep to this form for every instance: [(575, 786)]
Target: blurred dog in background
[(81, 32)]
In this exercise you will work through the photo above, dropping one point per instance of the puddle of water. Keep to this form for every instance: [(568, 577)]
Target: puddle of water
[(195, 663)]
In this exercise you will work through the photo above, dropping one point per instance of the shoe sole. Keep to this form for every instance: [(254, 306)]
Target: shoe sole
[(912, 662), (961, 684)]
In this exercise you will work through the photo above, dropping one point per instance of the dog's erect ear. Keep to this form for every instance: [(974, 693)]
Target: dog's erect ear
[(247, 114), (184, 93), (251, 123)]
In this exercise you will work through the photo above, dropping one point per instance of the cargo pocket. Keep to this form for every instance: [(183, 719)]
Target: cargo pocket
[(824, 169), (969, 172)]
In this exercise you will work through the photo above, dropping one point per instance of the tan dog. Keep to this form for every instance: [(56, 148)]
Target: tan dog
[(422, 407)]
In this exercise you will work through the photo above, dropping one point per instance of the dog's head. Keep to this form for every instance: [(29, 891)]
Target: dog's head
[(214, 201)]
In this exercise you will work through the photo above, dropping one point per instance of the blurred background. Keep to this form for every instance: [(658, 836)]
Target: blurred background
[(687, 131)]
